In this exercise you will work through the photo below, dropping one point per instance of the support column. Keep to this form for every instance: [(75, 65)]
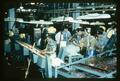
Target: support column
[(54, 9), (48, 68), (25, 51), (11, 13), (55, 71), (75, 15)]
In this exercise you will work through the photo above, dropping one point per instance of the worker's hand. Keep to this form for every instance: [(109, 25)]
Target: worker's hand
[(81, 45), (43, 52)]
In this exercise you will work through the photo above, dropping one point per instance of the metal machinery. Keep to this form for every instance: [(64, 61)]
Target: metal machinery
[(100, 66), (91, 67), (43, 61)]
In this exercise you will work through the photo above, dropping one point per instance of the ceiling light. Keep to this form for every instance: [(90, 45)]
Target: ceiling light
[(114, 9), (41, 4), (110, 23), (32, 3), (92, 3), (21, 7), (18, 9), (23, 10), (29, 10), (111, 7)]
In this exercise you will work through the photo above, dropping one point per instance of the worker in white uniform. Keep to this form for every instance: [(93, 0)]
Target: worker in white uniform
[(62, 38)]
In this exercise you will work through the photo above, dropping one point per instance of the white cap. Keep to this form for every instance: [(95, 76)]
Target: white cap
[(51, 29)]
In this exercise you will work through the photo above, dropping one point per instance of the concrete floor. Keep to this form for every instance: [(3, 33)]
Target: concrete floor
[(16, 70)]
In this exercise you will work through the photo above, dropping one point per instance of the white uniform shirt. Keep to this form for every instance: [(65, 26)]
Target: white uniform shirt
[(58, 37)]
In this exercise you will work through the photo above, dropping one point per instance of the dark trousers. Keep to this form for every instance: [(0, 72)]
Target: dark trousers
[(57, 49)]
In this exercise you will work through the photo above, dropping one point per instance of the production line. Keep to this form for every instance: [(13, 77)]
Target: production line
[(103, 67), (68, 45), (101, 70)]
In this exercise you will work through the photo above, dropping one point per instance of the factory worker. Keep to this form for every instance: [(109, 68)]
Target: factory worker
[(43, 41), (102, 39), (72, 49), (77, 36), (52, 31), (112, 39), (84, 43), (11, 33), (58, 39), (62, 38), (50, 37), (66, 34), (62, 35), (104, 29), (22, 36), (50, 45), (87, 44), (16, 33), (111, 31), (50, 49)]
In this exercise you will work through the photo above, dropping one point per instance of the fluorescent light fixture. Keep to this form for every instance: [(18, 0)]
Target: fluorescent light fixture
[(21, 7), (94, 16), (92, 3), (111, 7), (88, 3), (29, 10), (110, 23), (32, 3), (114, 9), (23, 10), (41, 4)]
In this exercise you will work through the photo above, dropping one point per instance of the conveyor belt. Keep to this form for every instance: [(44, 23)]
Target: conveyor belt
[(89, 70), (75, 74), (107, 64), (95, 70), (65, 73), (110, 75), (90, 67)]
